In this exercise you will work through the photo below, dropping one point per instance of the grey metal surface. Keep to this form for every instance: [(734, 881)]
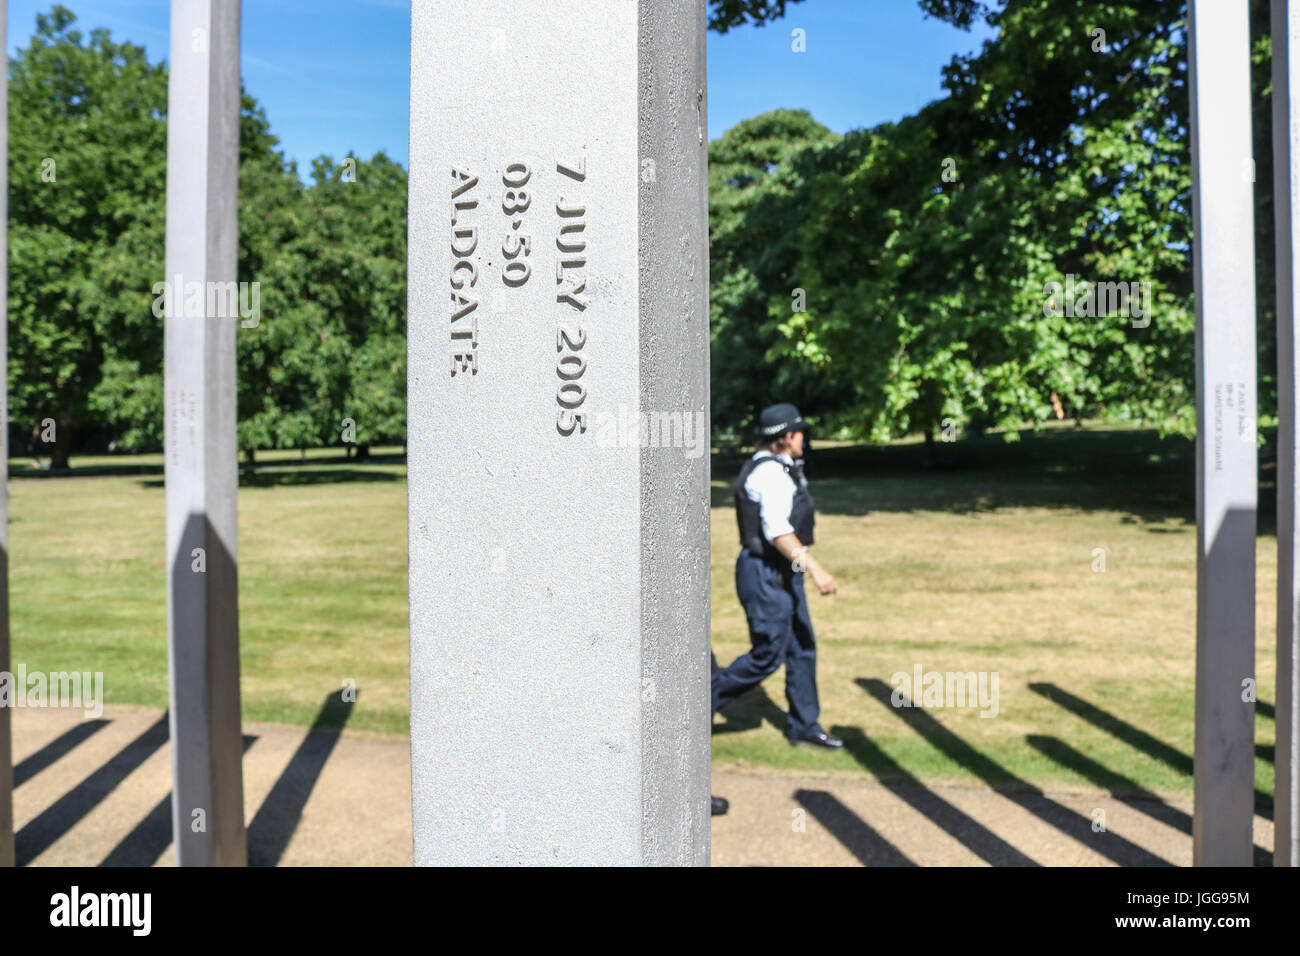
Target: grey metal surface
[(201, 470), (6, 730), (1226, 490), (1286, 190), (674, 307), (558, 583)]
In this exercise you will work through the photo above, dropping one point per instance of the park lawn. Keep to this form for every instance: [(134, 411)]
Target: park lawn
[(987, 565), (322, 581), (983, 562)]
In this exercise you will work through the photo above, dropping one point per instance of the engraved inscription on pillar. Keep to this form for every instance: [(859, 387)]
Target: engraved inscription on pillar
[(184, 423), (1230, 407), (464, 275), (570, 299), (470, 224)]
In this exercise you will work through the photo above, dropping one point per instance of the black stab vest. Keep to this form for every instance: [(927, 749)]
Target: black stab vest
[(750, 520)]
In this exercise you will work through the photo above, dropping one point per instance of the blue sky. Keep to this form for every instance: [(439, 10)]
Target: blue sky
[(332, 74)]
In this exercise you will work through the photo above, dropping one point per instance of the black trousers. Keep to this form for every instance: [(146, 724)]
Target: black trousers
[(780, 631)]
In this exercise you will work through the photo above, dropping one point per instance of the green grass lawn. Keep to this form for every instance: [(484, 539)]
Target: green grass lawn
[(982, 562), (322, 582)]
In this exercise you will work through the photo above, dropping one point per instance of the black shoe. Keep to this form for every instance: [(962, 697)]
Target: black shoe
[(818, 738), (719, 806)]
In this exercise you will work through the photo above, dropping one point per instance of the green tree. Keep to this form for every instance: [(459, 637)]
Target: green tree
[(345, 276), (1067, 140), (87, 153), (928, 245), (725, 14), (754, 194)]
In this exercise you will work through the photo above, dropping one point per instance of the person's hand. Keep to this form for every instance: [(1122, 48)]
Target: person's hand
[(825, 583)]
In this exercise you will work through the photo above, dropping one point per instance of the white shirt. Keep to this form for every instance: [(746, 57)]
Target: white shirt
[(773, 489)]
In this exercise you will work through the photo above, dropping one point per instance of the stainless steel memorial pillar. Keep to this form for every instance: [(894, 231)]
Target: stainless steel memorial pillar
[(1222, 187), (6, 743), (1286, 192), (201, 470), (557, 432)]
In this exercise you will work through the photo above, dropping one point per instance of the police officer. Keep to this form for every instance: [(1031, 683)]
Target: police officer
[(775, 513)]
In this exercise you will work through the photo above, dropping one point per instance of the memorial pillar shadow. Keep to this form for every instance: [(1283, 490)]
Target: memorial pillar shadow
[(61, 816), (59, 747), (152, 835), (1135, 737), (1117, 727), (856, 835), (972, 834), (1124, 789), (206, 714), (1025, 794), (748, 711), (278, 816)]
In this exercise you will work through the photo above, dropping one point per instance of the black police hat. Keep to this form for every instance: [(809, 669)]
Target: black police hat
[(778, 419)]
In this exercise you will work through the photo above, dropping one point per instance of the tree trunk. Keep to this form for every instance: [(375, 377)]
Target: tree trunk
[(60, 450), (930, 460), (363, 451), (250, 456)]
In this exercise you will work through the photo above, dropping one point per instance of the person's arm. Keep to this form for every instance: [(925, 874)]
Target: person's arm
[(774, 492), (794, 551)]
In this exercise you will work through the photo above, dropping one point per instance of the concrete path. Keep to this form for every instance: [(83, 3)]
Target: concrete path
[(91, 792)]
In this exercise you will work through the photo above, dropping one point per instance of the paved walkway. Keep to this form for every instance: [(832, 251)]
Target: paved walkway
[(91, 792)]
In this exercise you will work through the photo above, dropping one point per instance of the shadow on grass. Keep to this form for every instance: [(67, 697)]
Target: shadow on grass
[(1135, 737), (1123, 788), (309, 471), (976, 837), (1131, 471), (128, 467), (279, 477), (288, 478), (1120, 787), (748, 711), (1019, 791)]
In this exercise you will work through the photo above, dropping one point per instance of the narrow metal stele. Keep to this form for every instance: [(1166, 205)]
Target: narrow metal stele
[(1226, 473), (1286, 192), (6, 743), (201, 469)]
